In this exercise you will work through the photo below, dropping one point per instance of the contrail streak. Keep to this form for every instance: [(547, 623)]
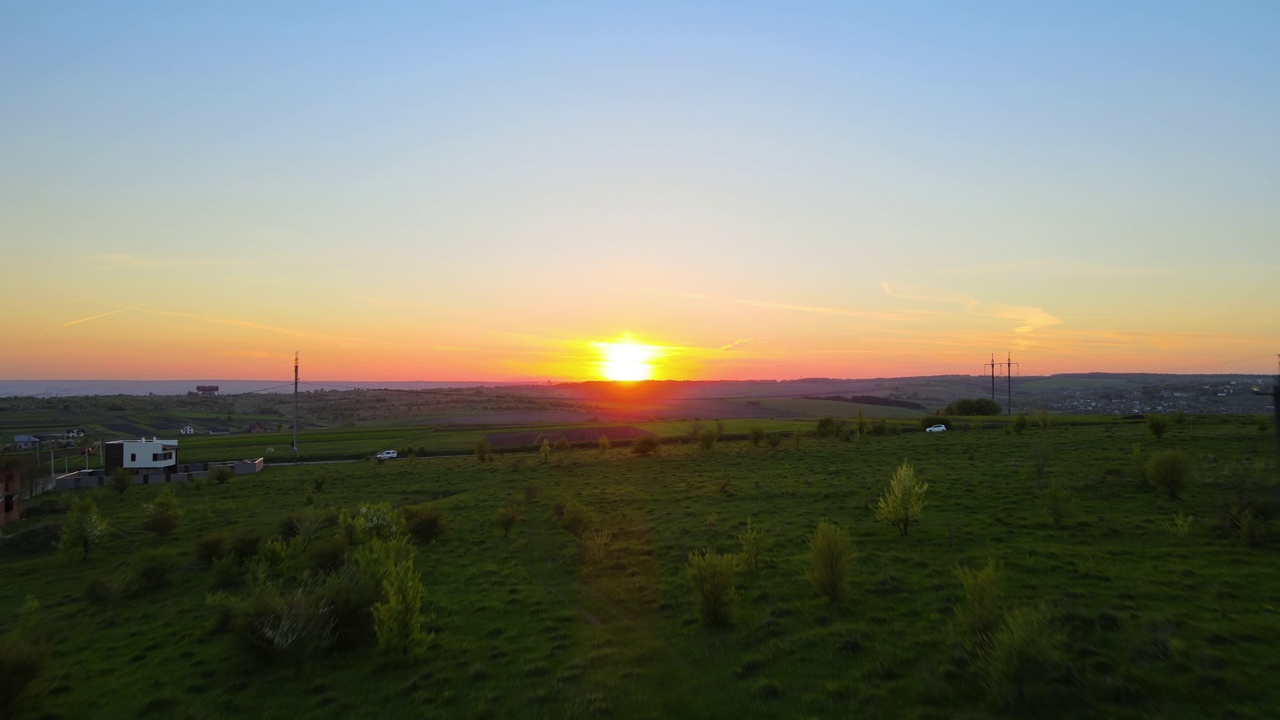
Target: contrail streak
[(95, 317)]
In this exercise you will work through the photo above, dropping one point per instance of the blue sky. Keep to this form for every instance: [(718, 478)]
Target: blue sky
[(849, 188)]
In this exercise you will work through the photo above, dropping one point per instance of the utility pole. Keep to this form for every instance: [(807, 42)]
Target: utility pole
[(295, 406)]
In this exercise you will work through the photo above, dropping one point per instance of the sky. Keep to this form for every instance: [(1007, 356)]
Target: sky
[(505, 191)]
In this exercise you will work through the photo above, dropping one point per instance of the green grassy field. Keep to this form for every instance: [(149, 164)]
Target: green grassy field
[(1148, 623)]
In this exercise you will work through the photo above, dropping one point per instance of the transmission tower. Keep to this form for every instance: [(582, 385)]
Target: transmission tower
[(1008, 366)]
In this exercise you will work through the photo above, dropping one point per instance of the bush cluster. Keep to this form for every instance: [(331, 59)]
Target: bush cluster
[(711, 576)]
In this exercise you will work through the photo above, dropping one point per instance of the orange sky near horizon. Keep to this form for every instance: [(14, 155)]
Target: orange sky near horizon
[(430, 192)]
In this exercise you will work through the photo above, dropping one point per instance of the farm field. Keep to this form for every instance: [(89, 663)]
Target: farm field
[(1151, 610)]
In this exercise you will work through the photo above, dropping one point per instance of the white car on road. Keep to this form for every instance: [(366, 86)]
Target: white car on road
[(386, 455), (936, 428)]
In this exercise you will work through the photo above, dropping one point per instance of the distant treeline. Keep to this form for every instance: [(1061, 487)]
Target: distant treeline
[(872, 400)]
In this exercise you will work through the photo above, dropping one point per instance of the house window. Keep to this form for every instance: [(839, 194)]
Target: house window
[(133, 457)]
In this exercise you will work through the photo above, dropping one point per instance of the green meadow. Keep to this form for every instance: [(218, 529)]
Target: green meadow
[(1143, 606)]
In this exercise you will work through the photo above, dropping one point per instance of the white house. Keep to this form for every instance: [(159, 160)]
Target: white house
[(187, 430), (142, 456)]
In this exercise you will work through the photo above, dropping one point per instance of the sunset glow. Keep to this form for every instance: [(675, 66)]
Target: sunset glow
[(841, 190), (626, 360)]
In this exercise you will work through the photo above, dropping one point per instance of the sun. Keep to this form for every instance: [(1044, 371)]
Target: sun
[(626, 360)]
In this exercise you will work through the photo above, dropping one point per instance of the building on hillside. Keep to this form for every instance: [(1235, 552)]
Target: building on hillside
[(25, 442), (10, 488), (147, 458), (187, 430)]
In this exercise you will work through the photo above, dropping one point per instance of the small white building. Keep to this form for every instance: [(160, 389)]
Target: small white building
[(143, 456), (187, 430)]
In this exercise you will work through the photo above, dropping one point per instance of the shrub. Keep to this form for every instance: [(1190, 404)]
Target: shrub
[(246, 545), (644, 445), (773, 440), (826, 427), (860, 425), (577, 519), (378, 521), (1022, 650), (221, 475), (830, 560), (106, 592), (795, 440), (1168, 471), (1157, 426), (83, 529), (1043, 418), (397, 619), (350, 591), (152, 569), (562, 444), (597, 545), (1058, 502), (603, 442), (212, 546), (752, 540), (711, 576), (1019, 423), (162, 516), (545, 450), (226, 572), (754, 436), (484, 452), (903, 502), (508, 515), (327, 555), (284, 626), (425, 524), (978, 615), (121, 479), (289, 524), (707, 438), (23, 663), (1181, 525)]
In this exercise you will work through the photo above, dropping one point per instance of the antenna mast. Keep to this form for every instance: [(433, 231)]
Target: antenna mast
[(1008, 366)]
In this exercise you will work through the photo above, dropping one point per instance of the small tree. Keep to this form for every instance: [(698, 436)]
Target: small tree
[(1020, 423), (162, 516), (903, 502), (545, 450), (711, 577), (603, 442), (645, 445), (978, 617), (483, 451), (508, 515), (83, 529), (830, 559), (1058, 502), (1168, 471), (222, 474), (752, 547), (397, 619), (754, 436), (1157, 425), (121, 479), (1022, 650), (23, 662), (860, 425), (707, 438)]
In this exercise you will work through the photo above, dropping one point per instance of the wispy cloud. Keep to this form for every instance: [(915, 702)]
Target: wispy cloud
[(736, 343), (1062, 268), (1028, 318), (134, 261), (234, 322), (95, 317)]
